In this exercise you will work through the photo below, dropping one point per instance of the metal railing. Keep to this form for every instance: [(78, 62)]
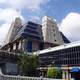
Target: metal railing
[(9, 77)]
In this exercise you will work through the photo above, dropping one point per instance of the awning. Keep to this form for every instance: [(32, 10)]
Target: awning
[(75, 69)]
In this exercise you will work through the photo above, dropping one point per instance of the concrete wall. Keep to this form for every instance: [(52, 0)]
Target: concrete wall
[(50, 31)]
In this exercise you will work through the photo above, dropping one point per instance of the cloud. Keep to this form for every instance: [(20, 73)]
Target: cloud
[(9, 15), (3, 31), (6, 17), (70, 26), (35, 19), (24, 4), (11, 9), (2, 1)]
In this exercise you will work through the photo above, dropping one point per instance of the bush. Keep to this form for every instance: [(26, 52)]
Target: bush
[(28, 64), (53, 72)]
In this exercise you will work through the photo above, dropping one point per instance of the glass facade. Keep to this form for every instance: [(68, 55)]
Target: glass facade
[(32, 30), (29, 46), (67, 56), (26, 35)]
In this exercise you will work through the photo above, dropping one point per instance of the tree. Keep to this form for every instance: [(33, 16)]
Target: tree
[(53, 72), (28, 64)]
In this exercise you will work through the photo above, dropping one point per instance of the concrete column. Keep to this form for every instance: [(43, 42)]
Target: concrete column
[(8, 49), (11, 47), (67, 75), (63, 74), (19, 47), (22, 44), (43, 73), (17, 44), (14, 46)]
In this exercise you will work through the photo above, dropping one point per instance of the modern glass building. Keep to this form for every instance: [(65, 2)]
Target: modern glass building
[(67, 54)]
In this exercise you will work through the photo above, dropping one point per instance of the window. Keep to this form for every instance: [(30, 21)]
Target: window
[(29, 46), (55, 40), (52, 25), (53, 30), (54, 35), (31, 23), (32, 27), (31, 31), (41, 46)]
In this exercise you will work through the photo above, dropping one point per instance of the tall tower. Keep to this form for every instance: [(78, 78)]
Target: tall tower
[(14, 28), (51, 34)]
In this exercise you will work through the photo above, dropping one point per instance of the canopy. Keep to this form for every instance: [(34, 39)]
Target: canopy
[(75, 69)]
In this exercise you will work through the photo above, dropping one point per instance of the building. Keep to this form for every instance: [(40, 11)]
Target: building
[(27, 38), (51, 34), (8, 62), (31, 36), (66, 56), (14, 28)]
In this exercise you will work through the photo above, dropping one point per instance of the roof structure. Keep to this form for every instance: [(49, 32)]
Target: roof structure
[(29, 30), (69, 45)]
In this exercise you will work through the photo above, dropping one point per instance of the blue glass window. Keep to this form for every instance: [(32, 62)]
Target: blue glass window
[(32, 27), (31, 23), (29, 46), (31, 31), (25, 35)]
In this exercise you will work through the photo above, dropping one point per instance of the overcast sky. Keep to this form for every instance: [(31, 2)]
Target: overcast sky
[(66, 13)]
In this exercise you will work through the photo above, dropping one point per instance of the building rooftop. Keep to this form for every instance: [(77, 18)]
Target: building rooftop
[(69, 45)]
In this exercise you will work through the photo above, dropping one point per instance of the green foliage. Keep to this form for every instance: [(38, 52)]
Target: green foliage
[(59, 73), (27, 64), (53, 73)]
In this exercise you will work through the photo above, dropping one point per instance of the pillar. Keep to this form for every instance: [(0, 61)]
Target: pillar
[(22, 44), (19, 47), (11, 47), (63, 74), (67, 75), (17, 44), (14, 46)]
